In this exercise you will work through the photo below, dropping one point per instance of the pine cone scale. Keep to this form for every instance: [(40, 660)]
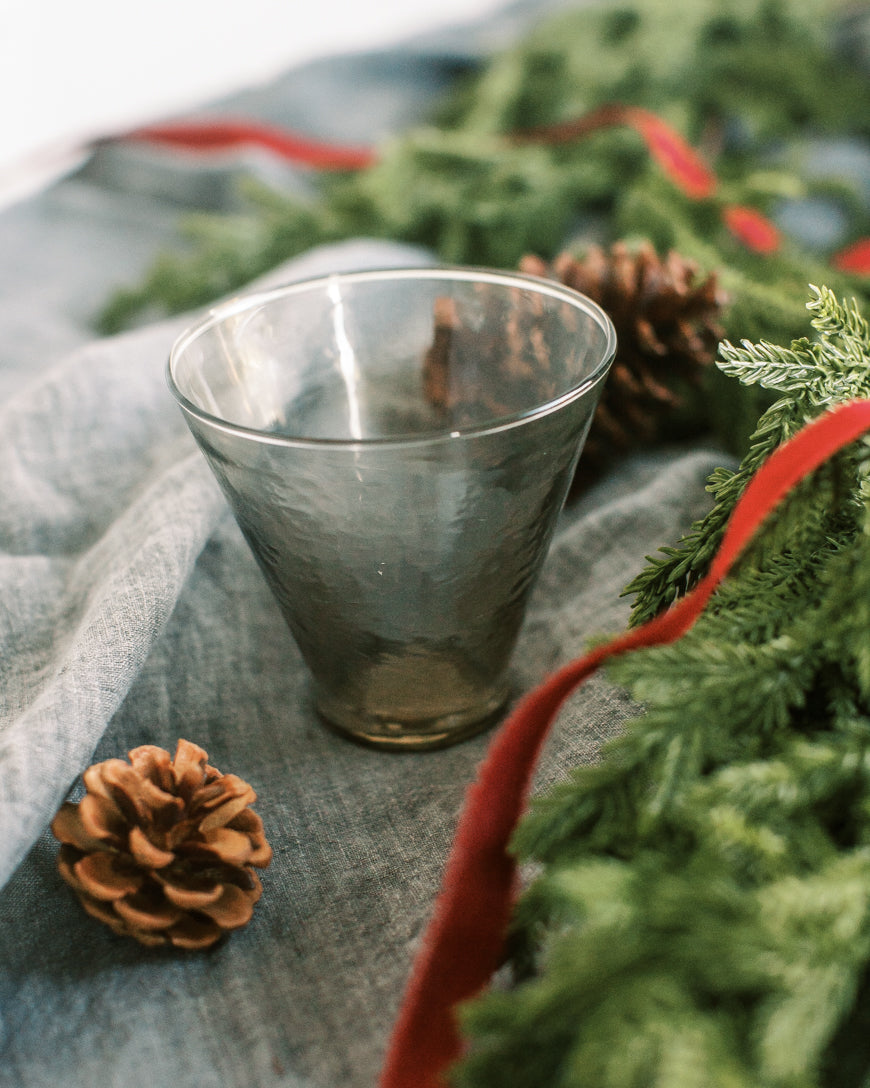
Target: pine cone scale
[(70, 828), (232, 910), (194, 935), (224, 844), (223, 814), (105, 876), (101, 818), (137, 797), (147, 853), (152, 762), (148, 913), (187, 768), (191, 898)]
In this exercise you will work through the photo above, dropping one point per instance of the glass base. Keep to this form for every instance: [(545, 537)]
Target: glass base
[(393, 734)]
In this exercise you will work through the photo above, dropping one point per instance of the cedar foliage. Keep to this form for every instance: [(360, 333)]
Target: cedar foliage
[(749, 83), (702, 913)]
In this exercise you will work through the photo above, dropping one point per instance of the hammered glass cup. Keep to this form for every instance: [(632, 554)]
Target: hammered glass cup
[(396, 447)]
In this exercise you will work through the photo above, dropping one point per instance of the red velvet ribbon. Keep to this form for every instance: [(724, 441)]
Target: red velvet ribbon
[(683, 165), (751, 228), (464, 942), (855, 258), (223, 135)]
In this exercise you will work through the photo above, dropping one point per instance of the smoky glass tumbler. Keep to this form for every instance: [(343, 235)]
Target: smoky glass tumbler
[(396, 447)]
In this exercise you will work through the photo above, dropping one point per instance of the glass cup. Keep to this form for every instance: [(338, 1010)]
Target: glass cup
[(396, 447)]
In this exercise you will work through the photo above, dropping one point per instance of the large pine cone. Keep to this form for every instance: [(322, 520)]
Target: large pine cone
[(667, 329), (163, 849)]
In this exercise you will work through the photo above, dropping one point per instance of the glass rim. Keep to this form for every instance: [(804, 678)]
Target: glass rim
[(251, 300)]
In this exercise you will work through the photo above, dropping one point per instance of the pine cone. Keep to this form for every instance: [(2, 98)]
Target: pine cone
[(667, 333), (163, 849), (486, 364)]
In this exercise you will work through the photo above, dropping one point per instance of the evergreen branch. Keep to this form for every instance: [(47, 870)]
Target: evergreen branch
[(835, 320), (833, 369), (787, 370), (702, 911), (461, 185)]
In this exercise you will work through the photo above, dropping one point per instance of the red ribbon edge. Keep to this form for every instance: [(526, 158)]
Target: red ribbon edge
[(463, 943), (230, 134)]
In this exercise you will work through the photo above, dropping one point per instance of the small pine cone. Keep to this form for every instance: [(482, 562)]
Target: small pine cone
[(667, 331), (164, 849)]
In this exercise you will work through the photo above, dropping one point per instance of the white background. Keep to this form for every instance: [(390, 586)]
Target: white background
[(72, 70)]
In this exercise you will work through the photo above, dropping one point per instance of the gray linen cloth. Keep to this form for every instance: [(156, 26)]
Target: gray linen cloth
[(131, 612)]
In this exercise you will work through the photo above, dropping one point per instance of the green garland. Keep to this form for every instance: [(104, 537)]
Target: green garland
[(805, 377), (702, 916), (737, 80)]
